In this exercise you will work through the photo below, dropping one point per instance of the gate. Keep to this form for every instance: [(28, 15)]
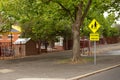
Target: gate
[(6, 50)]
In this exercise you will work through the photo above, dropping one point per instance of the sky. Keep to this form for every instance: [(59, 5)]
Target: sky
[(117, 21)]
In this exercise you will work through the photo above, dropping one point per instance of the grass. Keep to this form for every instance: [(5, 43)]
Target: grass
[(69, 60)]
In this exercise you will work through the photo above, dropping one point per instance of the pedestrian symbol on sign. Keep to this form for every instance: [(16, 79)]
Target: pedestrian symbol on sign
[(95, 24)]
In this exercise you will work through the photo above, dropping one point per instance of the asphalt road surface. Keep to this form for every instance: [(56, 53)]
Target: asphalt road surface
[(113, 74), (114, 52)]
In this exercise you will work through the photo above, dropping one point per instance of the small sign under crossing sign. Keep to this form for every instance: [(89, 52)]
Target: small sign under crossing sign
[(94, 37)]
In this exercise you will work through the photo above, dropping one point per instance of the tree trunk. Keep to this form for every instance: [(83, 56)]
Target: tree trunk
[(66, 44), (76, 34), (76, 45), (51, 44), (39, 46), (46, 45), (80, 16)]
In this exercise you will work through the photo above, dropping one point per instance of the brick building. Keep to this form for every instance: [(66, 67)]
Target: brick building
[(7, 39), (13, 35), (25, 47)]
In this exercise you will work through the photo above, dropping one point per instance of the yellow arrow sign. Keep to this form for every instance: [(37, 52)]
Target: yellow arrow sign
[(94, 26)]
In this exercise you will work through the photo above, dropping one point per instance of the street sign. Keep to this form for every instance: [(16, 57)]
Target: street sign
[(94, 37), (94, 26)]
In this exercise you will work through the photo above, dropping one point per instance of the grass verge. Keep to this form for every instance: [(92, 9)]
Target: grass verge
[(69, 60)]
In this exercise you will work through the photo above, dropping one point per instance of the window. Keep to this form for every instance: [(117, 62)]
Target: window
[(0, 37), (10, 36)]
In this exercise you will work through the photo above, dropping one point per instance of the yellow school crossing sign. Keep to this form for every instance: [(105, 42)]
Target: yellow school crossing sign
[(94, 26)]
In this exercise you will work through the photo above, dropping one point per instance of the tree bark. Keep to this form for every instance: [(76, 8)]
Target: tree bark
[(76, 34), (39, 46), (76, 29), (76, 45)]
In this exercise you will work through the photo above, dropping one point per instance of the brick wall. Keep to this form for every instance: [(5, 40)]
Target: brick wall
[(31, 48), (4, 37)]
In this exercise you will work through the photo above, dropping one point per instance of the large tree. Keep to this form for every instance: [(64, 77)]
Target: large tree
[(76, 11)]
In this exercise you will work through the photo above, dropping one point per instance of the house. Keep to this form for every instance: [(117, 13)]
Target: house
[(6, 39), (25, 47), (11, 36), (59, 44)]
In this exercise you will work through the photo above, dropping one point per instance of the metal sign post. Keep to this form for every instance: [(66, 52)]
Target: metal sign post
[(94, 52)]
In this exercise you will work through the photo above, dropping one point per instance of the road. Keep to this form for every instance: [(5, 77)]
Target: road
[(113, 74), (114, 52)]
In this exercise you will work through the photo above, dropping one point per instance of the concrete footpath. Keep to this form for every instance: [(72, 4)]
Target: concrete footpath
[(55, 66)]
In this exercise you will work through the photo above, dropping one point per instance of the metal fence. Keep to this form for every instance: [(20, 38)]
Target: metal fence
[(7, 51)]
